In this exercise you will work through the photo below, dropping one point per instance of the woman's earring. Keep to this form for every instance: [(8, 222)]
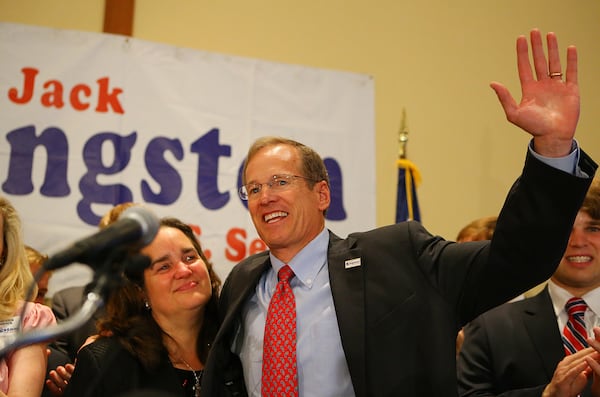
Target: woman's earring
[(147, 305)]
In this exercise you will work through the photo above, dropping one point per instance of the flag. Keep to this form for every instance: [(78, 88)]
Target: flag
[(407, 205)]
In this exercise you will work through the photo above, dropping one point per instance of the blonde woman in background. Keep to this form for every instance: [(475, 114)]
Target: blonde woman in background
[(22, 371)]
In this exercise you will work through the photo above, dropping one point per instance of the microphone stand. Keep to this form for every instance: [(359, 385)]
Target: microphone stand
[(108, 276)]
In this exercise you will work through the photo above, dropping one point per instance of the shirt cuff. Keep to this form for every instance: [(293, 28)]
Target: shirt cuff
[(568, 163)]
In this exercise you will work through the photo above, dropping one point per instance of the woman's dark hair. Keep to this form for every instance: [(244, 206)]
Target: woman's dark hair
[(128, 319)]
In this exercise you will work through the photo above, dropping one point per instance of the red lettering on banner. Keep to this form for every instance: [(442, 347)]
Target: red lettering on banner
[(256, 246), (196, 229), (236, 242), (53, 97), (104, 98), (76, 99), (79, 96), (30, 74)]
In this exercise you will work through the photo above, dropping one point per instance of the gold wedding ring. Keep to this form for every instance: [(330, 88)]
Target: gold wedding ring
[(555, 74)]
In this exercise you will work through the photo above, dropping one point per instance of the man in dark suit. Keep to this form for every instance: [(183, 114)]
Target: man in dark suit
[(517, 349), (377, 313), (66, 303)]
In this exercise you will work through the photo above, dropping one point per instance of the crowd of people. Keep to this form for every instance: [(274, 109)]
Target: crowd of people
[(375, 313)]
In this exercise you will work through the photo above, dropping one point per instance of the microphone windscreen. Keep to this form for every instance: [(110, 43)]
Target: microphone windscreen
[(146, 219)]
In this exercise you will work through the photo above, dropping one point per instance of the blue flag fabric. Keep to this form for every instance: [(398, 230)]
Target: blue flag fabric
[(407, 205)]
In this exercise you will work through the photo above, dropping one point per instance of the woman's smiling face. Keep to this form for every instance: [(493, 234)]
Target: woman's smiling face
[(177, 279)]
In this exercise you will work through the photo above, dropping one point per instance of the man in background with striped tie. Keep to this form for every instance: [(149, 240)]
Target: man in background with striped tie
[(538, 346)]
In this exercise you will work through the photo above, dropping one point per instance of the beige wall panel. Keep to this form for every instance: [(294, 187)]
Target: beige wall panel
[(435, 59)]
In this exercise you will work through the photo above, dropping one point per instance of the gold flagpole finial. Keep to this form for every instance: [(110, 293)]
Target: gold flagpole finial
[(402, 136)]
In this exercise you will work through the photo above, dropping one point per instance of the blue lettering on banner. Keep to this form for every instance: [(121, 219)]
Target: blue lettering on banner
[(162, 172), (91, 191), (209, 150), (24, 141), (336, 211)]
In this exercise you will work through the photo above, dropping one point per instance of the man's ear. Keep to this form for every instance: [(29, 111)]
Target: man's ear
[(324, 195)]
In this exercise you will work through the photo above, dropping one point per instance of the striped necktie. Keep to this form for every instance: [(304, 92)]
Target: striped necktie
[(279, 371), (574, 334)]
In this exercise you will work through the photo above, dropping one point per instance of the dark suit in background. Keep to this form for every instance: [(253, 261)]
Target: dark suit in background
[(63, 350), (66, 303), (512, 350)]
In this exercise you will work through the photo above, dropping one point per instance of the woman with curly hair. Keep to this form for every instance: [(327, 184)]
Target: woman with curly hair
[(159, 323)]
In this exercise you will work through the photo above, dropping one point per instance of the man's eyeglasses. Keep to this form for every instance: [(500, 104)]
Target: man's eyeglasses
[(278, 183)]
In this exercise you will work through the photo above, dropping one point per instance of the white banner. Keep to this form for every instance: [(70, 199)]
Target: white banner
[(90, 120)]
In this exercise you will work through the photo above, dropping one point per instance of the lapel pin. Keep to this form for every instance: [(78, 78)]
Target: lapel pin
[(350, 263)]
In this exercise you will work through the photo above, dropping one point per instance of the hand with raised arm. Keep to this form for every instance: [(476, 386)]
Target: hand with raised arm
[(549, 107)]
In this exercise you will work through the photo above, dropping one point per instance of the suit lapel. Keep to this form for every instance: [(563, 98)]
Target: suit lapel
[(346, 276), (540, 321), (242, 287)]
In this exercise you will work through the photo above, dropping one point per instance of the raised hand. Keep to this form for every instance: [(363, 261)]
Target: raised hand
[(549, 107)]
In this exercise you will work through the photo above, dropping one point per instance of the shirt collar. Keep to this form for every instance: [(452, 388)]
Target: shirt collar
[(560, 296), (309, 261)]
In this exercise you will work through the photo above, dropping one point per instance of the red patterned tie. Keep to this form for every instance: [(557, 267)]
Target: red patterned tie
[(279, 373), (574, 334)]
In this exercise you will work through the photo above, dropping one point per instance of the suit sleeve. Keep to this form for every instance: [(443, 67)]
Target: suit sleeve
[(475, 370), (59, 308), (531, 235)]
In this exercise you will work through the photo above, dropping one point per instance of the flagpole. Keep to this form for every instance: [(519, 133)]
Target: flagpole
[(402, 136), (407, 206)]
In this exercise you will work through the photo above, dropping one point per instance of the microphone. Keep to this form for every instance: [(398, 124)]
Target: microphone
[(136, 227)]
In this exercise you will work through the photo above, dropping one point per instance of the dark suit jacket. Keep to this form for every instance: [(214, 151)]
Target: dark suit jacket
[(511, 350), (105, 369), (400, 310), (66, 303)]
